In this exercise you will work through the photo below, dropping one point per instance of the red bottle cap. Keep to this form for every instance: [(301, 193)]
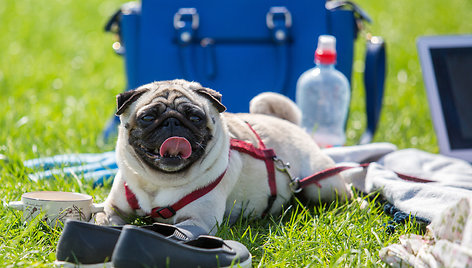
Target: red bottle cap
[(325, 56)]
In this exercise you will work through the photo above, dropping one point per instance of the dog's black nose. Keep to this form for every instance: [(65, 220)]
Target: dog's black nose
[(171, 123)]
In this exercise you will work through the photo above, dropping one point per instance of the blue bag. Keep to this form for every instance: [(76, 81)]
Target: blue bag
[(239, 48)]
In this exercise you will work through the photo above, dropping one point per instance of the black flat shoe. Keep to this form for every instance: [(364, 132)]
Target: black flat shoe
[(139, 247), (89, 245)]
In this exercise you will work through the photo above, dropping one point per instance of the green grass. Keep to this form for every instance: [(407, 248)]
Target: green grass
[(58, 81), (331, 235)]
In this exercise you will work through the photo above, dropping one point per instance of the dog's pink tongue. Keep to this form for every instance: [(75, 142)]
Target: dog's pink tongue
[(175, 146)]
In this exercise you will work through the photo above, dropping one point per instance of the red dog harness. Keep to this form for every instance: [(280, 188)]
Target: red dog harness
[(268, 156), (169, 211), (262, 153)]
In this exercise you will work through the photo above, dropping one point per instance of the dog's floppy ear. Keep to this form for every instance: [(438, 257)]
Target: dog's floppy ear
[(213, 96), (125, 99)]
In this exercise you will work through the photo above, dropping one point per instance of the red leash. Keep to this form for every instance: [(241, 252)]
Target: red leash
[(298, 184)]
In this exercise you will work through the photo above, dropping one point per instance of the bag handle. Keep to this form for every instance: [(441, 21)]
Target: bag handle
[(186, 22)]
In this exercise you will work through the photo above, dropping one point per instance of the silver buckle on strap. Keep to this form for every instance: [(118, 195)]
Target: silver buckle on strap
[(186, 22), (284, 167), (294, 186), (179, 23), (284, 18), (275, 11)]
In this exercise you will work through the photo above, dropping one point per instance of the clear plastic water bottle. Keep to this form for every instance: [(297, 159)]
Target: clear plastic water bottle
[(323, 95)]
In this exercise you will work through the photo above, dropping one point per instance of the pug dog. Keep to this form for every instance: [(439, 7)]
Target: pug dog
[(175, 147)]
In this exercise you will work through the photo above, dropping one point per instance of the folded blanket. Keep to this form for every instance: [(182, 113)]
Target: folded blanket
[(452, 177)]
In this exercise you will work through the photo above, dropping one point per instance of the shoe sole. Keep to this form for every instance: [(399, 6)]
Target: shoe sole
[(64, 264)]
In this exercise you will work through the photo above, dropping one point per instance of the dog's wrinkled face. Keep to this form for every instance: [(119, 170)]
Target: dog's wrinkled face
[(169, 128)]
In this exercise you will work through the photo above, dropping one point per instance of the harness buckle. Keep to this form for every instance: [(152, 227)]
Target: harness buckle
[(294, 186), (164, 212), (281, 165), (284, 167)]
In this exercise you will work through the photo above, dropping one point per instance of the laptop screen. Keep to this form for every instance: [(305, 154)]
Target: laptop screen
[(446, 63), (453, 72)]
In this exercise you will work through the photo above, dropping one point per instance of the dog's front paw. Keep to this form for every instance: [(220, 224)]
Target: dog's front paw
[(100, 218)]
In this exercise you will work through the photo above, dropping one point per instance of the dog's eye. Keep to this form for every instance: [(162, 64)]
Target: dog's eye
[(195, 119), (148, 118)]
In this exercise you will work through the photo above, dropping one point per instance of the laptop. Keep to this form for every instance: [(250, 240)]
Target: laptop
[(446, 63)]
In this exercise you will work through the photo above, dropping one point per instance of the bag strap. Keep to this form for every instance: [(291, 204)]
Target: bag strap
[(279, 21), (375, 67), (186, 23), (374, 81)]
